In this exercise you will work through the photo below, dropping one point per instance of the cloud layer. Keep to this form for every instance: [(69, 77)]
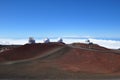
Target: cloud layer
[(105, 43)]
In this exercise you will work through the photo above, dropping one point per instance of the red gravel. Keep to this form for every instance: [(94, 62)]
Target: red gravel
[(27, 51), (95, 61)]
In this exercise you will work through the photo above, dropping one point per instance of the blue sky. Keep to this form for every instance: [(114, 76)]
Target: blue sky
[(59, 18)]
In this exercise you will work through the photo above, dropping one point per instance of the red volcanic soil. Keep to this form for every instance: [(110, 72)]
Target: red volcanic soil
[(94, 60), (76, 57), (28, 51)]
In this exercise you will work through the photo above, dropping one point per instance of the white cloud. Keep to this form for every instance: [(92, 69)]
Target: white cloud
[(105, 43), (12, 41)]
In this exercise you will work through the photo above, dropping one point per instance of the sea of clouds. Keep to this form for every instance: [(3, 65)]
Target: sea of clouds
[(113, 44)]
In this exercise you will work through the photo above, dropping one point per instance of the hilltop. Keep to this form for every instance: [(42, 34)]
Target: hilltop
[(51, 60)]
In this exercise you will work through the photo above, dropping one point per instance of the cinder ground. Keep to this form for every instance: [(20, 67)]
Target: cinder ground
[(67, 62)]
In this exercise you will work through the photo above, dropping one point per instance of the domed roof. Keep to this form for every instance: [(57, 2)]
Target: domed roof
[(46, 40), (31, 40), (60, 40)]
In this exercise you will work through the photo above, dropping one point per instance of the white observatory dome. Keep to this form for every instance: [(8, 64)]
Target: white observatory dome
[(60, 40), (46, 40), (31, 40)]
